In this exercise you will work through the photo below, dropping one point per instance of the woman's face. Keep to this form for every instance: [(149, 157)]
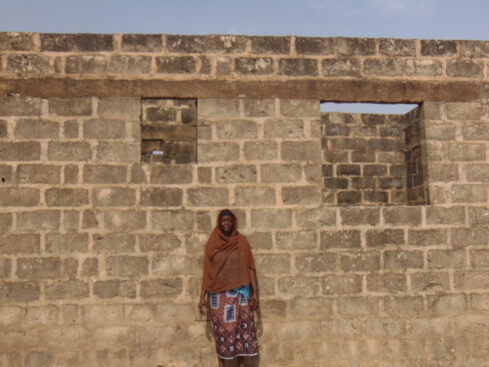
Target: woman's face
[(226, 223)]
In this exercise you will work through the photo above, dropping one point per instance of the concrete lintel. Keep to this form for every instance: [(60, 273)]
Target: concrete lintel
[(372, 90)]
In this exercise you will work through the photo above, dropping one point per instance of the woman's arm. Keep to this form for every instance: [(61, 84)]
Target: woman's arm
[(202, 302), (255, 299)]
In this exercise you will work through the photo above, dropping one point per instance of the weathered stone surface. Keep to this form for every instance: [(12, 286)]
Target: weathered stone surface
[(115, 288), (27, 64), (301, 151), (255, 195), (36, 129), (270, 45), (142, 42), (298, 67), (69, 151), (253, 65), (176, 64), (438, 48), (397, 47), (127, 266), (104, 174), (271, 218), (340, 239), (70, 289), (76, 42), (354, 46), (217, 152), (301, 195), (236, 129), (261, 150), (66, 197), (20, 151), (271, 173), (21, 197), (119, 220), (208, 196), (38, 220), (313, 46), (161, 288), (161, 197), (14, 41)]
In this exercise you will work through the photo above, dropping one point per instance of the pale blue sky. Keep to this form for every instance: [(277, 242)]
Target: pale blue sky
[(438, 19)]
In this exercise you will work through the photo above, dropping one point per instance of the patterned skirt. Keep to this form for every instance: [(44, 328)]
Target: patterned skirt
[(232, 324)]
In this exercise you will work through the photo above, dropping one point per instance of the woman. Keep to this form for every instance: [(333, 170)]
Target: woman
[(229, 281)]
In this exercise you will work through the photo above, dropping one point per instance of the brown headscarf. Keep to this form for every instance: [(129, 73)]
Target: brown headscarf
[(227, 260)]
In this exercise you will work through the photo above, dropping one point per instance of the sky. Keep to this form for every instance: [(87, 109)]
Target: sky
[(425, 19)]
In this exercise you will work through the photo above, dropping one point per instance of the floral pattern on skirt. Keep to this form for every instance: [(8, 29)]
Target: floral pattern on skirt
[(233, 324)]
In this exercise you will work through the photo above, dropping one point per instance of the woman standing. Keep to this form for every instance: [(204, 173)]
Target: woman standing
[(229, 281)]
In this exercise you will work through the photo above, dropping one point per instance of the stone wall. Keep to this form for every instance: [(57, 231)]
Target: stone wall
[(101, 247)]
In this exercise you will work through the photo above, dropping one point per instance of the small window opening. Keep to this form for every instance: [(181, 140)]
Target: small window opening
[(372, 154), (169, 130)]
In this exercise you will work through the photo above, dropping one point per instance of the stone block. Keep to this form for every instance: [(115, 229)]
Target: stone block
[(471, 324), (38, 220), (255, 195), (127, 266), (76, 42), (260, 240), (298, 67), (15, 41), (70, 106), (438, 48), (301, 195), (119, 108), (39, 268), (299, 108), (104, 129), (316, 217), (342, 284), (471, 280), (477, 172), (70, 289), (450, 303), (465, 68), (66, 243), (113, 336), (43, 315), (5, 269), (270, 45), (31, 173), (124, 220), (466, 152), (273, 263), (397, 47), (269, 218), (89, 267), (360, 261), (19, 291), (40, 358), (383, 67), (170, 220), (478, 216), (445, 215), (104, 174), (314, 46), (236, 174), (443, 173), (103, 313), (19, 197), (170, 266), (235, 129), (479, 302), (354, 46), (113, 196), (297, 285), (130, 64), (218, 108), (296, 240), (463, 111), (114, 288), (20, 106), (301, 151), (208, 196), (208, 43), (114, 242), (66, 197), (423, 68), (161, 288), (284, 128), (259, 107), (3, 129), (274, 173), (397, 260), (341, 67), (463, 237), (161, 197), (479, 258), (118, 152), (429, 282), (36, 129), (176, 65), (89, 219), (472, 193), (358, 306), (142, 42), (253, 65), (427, 237), (360, 216), (387, 283), (70, 174), (315, 263), (261, 150), (402, 216), (27, 64), (20, 244), (174, 174), (20, 151), (217, 152), (342, 239), (69, 151), (5, 222)]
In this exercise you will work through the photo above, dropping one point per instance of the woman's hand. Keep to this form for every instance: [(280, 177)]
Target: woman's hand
[(254, 303), (202, 306)]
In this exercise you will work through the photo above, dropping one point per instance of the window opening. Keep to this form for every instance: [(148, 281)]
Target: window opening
[(372, 158)]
